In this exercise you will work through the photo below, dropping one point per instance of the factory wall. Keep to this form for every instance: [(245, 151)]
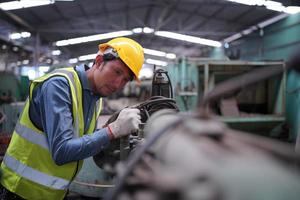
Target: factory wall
[(278, 41)]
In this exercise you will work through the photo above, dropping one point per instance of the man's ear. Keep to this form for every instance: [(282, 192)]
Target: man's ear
[(98, 60)]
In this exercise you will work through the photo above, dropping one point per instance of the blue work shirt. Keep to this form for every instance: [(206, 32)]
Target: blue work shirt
[(51, 111)]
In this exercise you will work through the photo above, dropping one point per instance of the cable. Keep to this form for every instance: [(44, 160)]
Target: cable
[(149, 107), (154, 104), (135, 158)]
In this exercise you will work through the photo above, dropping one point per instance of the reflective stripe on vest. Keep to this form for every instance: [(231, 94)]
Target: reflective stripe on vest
[(34, 175), (32, 136)]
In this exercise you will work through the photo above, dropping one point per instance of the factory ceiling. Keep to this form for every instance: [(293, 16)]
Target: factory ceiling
[(210, 19)]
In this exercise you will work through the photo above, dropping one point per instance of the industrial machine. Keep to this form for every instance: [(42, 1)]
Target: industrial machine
[(258, 108), (191, 156), (161, 84), (13, 91)]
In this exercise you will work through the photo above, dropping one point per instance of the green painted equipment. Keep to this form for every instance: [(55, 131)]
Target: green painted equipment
[(257, 108)]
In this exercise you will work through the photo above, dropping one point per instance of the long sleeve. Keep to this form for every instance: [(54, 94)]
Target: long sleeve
[(52, 111)]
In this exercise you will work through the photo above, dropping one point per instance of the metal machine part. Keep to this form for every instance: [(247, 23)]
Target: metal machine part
[(120, 149), (161, 84), (197, 157)]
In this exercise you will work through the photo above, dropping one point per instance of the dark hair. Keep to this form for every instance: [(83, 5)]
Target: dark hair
[(131, 74)]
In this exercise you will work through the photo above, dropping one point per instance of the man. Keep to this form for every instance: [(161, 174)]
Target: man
[(56, 130)]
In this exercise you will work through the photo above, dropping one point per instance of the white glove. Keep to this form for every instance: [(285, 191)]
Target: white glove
[(127, 122)]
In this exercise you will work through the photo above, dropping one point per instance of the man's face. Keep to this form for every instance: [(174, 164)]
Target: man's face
[(110, 77)]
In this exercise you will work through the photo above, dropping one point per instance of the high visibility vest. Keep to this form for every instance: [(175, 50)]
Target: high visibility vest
[(28, 169)]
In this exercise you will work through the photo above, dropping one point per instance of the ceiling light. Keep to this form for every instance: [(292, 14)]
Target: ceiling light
[(154, 52), (156, 62), (246, 2), (171, 55), (188, 38), (271, 5), (56, 52), (87, 57), (279, 8), (137, 30), (15, 36), (292, 9), (148, 30), (93, 38), (13, 5), (159, 53), (25, 34), (73, 60)]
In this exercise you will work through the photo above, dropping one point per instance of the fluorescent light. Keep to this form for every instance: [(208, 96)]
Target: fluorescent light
[(56, 52), (87, 57), (33, 3), (16, 36), (188, 38), (137, 30), (13, 5), (25, 34), (279, 8), (171, 55), (159, 53), (148, 30), (143, 30), (73, 60), (93, 38), (292, 9), (256, 2), (271, 5), (154, 52), (156, 62), (246, 2)]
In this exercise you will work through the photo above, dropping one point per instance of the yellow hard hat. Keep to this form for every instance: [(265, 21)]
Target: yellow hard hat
[(129, 51)]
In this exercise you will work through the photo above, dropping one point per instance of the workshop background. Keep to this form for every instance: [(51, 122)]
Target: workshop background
[(222, 66)]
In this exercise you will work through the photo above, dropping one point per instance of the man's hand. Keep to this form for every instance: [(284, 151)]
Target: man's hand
[(127, 122)]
